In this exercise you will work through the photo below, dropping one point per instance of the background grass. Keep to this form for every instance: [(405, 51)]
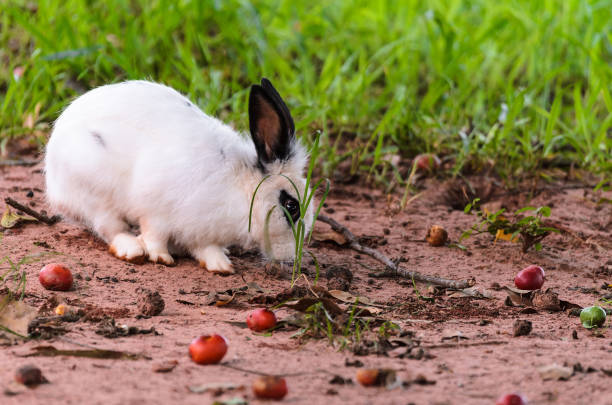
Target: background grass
[(517, 85)]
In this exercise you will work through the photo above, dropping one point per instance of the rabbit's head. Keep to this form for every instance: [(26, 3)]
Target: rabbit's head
[(281, 161)]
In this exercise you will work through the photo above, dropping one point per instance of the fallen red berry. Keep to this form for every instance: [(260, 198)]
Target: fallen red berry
[(427, 161), (55, 277), (436, 236), (29, 375), (511, 399), (261, 319), (270, 387), (208, 349), (368, 376), (530, 278)]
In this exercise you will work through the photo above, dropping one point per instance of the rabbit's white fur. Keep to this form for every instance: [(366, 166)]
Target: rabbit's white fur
[(140, 153)]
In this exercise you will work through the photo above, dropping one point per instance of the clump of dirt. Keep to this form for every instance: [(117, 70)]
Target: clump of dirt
[(338, 278), (150, 303), (521, 327)]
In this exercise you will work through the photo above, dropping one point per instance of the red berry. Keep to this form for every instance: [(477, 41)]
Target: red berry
[(270, 387), (427, 161), (261, 319), (55, 277), (208, 349), (368, 376), (29, 375), (436, 236), (530, 278), (511, 399)]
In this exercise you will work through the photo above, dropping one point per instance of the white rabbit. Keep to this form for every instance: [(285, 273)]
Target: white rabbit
[(140, 155)]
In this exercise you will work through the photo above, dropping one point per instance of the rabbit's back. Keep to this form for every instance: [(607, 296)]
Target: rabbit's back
[(126, 116), (131, 147)]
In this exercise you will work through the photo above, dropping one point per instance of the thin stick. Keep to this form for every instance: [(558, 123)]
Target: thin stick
[(19, 162), (459, 345), (392, 268), (31, 212)]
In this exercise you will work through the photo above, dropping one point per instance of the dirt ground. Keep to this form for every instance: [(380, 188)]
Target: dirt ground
[(460, 350)]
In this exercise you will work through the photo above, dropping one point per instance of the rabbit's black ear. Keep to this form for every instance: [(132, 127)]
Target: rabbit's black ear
[(270, 122)]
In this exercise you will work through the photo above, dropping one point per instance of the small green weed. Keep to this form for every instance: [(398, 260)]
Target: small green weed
[(387, 329), (418, 293), (344, 331), (298, 227), (529, 230), (14, 278)]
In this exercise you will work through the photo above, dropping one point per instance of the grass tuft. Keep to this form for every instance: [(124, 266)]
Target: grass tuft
[(518, 85)]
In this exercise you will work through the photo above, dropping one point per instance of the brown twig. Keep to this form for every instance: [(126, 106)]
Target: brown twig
[(392, 268), (19, 162), (459, 345), (31, 212)]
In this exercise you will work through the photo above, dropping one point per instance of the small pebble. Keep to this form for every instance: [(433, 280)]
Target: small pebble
[(522, 327)]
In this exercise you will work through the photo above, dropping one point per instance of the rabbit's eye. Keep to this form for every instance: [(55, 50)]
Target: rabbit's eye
[(291, 205), (293, 208)]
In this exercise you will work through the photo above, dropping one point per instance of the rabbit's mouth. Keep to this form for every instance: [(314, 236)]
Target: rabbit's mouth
[(282, 252)]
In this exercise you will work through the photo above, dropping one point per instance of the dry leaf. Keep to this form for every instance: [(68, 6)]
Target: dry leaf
[(555, 372), (474, 292), (10, 219), (544, 300), (453, 335), (365, 305), (165, 367), (329, 236), (15, 316), (349, 298), (521, 298), (505, 236), (304, 303), (224, 299)]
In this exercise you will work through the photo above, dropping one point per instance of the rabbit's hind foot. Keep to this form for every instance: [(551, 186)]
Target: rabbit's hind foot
[(213, 259), (155, 243), (127, 247)]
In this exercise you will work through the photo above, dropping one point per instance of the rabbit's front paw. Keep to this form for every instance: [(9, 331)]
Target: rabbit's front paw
[(127, 247), (162, 258), (156, 249), (213, 259)]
